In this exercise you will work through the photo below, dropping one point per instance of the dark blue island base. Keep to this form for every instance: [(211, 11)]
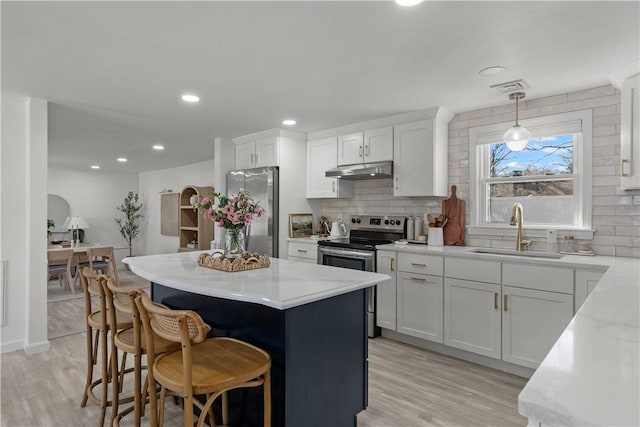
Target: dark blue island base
[(319, 352)]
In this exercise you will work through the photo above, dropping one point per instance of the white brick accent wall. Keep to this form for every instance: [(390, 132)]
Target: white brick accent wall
[(616, 213)]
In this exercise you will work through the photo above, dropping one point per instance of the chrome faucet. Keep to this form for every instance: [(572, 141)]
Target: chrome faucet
[(517, 218)]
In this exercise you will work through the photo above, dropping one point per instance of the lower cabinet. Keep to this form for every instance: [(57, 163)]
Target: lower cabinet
[(419, 306), (532, 322), (303, 251), (472, 316), (585, 282), (386, 292)]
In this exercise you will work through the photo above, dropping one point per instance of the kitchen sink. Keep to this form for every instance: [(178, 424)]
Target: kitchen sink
[(527, 254)]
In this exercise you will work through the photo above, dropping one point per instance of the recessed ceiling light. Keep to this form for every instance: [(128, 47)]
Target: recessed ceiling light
[(158, 147), (95, 167), (188, 97), (492, 71), (289, 122), (122, 159), (408, 2)]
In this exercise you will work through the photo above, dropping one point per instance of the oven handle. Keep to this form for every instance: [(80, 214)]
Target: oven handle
[(346, 252)]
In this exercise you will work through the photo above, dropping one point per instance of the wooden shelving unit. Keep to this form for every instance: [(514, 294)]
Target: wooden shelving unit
[(192, 225)]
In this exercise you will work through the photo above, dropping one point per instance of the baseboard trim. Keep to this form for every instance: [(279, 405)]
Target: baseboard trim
[(38, 347), (11, 346), (489, 362)]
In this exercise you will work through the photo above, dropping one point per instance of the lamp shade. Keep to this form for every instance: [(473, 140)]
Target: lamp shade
[(516, 138), (77, 222)]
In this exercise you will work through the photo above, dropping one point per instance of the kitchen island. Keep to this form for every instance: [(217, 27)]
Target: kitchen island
[(310, 318)]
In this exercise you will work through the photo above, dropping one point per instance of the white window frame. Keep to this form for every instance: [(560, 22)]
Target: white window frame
[(576, 122)]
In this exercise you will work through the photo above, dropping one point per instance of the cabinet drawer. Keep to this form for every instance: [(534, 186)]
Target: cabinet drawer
[(419, 263), (303, 250), (537, 277), (472, 269)]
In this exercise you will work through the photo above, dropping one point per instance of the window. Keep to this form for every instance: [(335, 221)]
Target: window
[(551, 178)]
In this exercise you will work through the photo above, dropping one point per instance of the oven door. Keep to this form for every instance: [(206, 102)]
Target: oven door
[(356, 260), (347, 258)]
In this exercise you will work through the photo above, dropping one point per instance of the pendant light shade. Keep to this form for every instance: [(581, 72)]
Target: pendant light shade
[(516, 137)]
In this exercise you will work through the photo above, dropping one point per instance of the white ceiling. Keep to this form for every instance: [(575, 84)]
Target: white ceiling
[(114, 71)]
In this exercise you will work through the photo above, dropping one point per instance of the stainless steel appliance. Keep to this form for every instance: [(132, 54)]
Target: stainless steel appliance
[(262, 185), (358, 251)]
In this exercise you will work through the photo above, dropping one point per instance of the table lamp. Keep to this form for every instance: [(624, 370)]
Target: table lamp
[(77, 225)]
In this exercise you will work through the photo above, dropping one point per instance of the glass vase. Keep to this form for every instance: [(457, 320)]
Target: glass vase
[(234, 244)]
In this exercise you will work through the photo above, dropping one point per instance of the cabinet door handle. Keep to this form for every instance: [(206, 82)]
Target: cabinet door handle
[(360, 151), (415, 264), (367, 151), (304, 251), (622, 163), (419, 279), (495, 300), (397, 182), (391, 265), (333, 186), (506, 308), (251, 158)]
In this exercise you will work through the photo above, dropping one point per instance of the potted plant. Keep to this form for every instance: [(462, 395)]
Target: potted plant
[(129, 225), (50, 224)]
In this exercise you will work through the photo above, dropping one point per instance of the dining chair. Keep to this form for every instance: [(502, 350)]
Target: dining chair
[(59, 265), (203, 366), (99, 322), (100, 259)]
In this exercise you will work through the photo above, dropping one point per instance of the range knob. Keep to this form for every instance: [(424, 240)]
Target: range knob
[(353, 220), (397, 222), (386, 222), (358, 220)]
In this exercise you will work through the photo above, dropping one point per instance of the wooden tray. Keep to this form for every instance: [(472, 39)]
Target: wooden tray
[(250, 261)]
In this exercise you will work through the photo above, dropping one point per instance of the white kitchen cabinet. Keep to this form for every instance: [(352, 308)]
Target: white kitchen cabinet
[(532, 322), (386, 292), (322, 155), (420, 159), (370, 146), (419, 306), (302, 250), (351, 148), (630, 134), (472, 316), (257, 154), (586, 280), (420, 263)]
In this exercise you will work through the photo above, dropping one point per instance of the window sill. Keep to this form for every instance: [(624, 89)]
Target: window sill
[(531, 231)]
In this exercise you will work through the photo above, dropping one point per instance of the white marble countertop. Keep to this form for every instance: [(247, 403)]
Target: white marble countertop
[(283, 285), (591, 375), (597, 262)]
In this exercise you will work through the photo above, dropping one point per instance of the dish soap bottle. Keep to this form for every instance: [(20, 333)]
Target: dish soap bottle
[(418, 228)]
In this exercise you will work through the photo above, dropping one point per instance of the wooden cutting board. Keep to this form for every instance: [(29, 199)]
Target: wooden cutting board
[(453, 208)]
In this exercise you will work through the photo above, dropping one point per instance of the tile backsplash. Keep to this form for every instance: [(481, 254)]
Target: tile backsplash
[(616, 213)]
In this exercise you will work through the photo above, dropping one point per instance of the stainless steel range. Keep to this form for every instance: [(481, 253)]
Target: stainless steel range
[(358, 251)]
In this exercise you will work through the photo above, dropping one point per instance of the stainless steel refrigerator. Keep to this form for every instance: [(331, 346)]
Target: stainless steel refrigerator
[(262, 185)]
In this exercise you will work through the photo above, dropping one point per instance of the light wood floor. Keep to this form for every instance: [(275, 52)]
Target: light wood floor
[(408, 387)]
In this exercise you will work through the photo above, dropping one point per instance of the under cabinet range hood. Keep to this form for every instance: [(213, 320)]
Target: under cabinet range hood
[(362, 171)]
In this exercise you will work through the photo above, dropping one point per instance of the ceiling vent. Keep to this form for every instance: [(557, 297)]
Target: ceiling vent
[(512, 86)]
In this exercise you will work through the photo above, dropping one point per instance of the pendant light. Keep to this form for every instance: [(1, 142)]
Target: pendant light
[(516, 137)]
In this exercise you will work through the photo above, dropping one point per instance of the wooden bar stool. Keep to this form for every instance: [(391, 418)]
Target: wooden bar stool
[(130, 341), (99, 322), (202, 366)]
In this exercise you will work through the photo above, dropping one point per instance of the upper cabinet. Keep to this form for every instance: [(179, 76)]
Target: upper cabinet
[(420, 159), (370, 146), (322, 155), (630, 135), (257, 153)]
